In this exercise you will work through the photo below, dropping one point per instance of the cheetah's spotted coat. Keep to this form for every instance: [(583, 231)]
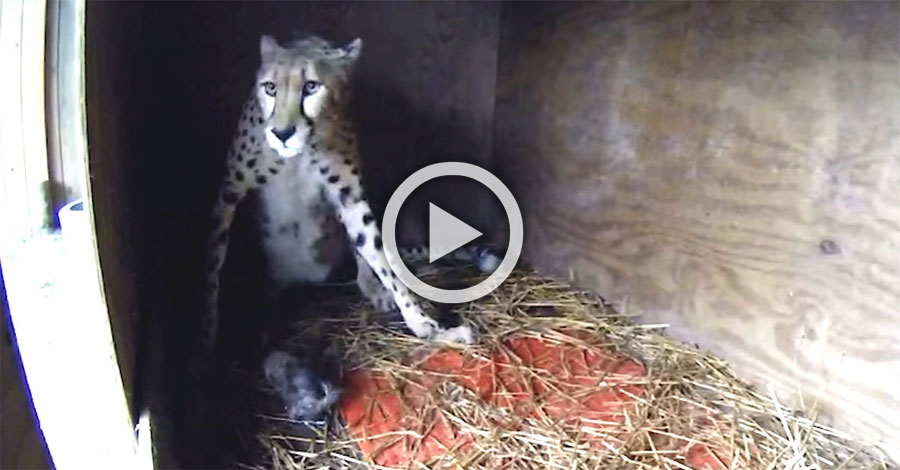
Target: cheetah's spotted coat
[(295, 137)]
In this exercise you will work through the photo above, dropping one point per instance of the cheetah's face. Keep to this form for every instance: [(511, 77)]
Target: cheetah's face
[(298, 85)]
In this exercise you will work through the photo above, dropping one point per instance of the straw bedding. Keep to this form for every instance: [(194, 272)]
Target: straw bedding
[(683, 403)]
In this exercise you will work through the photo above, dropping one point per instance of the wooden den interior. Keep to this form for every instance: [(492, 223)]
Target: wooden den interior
[(727, 169)]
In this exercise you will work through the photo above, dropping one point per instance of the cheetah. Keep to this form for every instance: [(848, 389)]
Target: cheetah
[(295, 146)]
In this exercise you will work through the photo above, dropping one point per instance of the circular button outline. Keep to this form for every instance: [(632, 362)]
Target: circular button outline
[(513, 215)]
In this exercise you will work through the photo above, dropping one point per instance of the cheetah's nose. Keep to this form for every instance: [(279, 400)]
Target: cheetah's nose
[(284, 134)]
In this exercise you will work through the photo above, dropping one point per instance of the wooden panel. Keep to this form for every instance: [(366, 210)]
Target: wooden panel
[(728, 168), (51, 101), (65, 116), (105, 174)]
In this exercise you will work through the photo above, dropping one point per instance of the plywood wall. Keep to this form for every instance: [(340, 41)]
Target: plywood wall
[(731, 169)]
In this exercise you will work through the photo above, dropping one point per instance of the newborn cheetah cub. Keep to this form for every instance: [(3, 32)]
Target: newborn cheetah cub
[(295, 132)]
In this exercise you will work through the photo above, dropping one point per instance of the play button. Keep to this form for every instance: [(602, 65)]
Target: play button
[(446, 233)]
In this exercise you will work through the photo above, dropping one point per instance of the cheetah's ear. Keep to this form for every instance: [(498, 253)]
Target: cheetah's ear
[(352, 50), (268, 47)]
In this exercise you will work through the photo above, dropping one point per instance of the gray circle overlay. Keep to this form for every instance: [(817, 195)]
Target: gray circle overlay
[(516, 232)]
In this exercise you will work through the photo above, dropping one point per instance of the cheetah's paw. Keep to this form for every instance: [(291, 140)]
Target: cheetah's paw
[(424, 327), (430, 329), (460, 334)]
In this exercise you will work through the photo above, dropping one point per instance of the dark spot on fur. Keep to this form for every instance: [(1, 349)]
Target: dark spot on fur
[(260, 120), (243, 146), (280, 161), (314, 161), (333, 179), (324, 170), (354, 171), (378, 243), (368, 218), (257, 152), (244, 133), (344, 194), (261, 179), (360, 239), (229, 197), (393, 275), (829, 247), (348, 161), (282, 229), (252, 139), (251, 163), (394, 286), (384, 272), (274, 171), (296, 227), (407, 305), (239, 175), (240, 157)]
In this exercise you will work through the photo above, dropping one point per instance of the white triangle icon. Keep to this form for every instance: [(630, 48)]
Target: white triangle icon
[(446, 233)]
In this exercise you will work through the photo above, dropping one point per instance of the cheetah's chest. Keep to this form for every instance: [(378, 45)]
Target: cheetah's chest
[(302, 238)]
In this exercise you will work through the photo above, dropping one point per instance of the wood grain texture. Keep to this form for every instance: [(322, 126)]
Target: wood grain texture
[(730, 169)]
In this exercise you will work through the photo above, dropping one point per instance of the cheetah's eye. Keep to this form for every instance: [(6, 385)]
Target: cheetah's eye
[(269, 88), (311, 87)]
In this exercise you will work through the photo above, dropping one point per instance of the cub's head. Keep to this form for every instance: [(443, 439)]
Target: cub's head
[(297, 84)]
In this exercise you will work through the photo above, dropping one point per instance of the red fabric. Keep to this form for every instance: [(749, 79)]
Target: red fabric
[(373, 408)]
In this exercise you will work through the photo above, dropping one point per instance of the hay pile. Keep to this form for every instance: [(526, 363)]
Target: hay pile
[(689, 400)]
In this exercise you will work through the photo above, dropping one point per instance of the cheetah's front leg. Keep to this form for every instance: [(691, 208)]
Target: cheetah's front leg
[(371, 287), (345, 193), (230, 195)]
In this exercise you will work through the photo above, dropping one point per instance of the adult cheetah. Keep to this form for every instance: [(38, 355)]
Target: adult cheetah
[(296, 145)]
